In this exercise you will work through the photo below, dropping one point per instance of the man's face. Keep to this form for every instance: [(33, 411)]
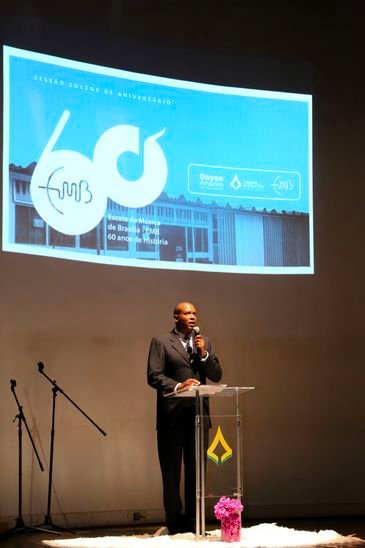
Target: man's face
[(185, 317)]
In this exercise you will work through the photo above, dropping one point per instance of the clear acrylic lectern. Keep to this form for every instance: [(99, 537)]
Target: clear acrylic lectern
[(213, 391)]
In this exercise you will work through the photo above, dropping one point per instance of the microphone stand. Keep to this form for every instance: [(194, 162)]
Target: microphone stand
[(19, 522), (48, 520)]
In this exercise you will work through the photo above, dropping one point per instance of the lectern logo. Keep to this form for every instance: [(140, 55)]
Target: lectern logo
[(219, 440)]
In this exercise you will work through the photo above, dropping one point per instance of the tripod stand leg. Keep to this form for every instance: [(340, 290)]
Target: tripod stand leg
[(20, 527), (48, 525)]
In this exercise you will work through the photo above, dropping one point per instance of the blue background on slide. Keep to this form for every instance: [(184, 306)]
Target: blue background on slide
[(202, 127)]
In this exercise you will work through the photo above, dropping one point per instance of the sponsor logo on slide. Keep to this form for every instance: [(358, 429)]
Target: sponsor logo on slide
[(70, 191), (244, 183), (282, 185)]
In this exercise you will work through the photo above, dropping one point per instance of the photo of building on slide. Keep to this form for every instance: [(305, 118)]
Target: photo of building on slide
[(170, 229)]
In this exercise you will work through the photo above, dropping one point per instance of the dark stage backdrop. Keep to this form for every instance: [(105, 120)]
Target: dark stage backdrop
[(297, 339)]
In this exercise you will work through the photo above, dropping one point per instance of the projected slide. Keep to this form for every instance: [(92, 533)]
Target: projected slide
[(108, 166)]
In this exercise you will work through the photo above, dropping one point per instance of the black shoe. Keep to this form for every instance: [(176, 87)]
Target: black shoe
[(179, 529), (189, 526)]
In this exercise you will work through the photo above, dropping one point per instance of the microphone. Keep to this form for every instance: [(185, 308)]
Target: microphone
[(195, 332), (13, 384), (40, 367)]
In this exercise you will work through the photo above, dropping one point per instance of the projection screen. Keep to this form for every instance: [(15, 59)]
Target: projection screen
[(120, 168)]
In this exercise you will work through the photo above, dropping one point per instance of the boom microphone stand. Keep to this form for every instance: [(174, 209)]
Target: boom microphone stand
[(48, 520), (19, 523)]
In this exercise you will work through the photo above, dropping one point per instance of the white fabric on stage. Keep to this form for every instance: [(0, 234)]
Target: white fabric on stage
[(266, 535)]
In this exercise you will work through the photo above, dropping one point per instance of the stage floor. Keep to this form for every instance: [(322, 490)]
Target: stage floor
[(31, 539)]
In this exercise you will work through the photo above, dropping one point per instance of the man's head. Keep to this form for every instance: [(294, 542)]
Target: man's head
[(185, 317)]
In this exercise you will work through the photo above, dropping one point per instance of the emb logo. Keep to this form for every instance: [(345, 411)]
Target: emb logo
[(70, 191)]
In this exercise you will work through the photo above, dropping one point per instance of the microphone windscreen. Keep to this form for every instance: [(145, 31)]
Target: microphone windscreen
[(196, 330)]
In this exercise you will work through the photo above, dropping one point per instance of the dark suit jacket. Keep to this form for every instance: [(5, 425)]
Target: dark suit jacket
[(169, 364)]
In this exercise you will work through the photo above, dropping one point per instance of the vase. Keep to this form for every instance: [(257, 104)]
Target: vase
[(231, 528)]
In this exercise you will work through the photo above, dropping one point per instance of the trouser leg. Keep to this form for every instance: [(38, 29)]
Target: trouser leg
[(170, 448), (189, 477)]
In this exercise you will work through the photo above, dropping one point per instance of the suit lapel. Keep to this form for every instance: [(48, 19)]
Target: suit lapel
[(177, 345)]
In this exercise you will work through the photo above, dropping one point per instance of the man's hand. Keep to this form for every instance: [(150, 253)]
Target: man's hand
[(200, 346), (188, 383)]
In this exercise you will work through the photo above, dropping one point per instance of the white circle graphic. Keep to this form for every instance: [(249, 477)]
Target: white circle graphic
[(66, 192)]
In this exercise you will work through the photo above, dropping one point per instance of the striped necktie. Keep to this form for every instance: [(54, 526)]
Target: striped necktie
[(188, 346)]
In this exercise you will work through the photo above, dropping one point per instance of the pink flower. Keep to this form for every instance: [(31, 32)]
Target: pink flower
[(226, 507)]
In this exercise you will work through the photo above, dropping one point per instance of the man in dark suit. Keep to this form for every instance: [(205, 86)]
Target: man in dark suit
[(176, 361)]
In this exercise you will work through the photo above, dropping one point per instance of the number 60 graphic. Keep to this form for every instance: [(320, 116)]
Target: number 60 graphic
[(70, 191)]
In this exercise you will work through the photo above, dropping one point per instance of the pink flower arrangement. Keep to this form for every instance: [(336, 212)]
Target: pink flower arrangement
[(225, 507), (229, 512)]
